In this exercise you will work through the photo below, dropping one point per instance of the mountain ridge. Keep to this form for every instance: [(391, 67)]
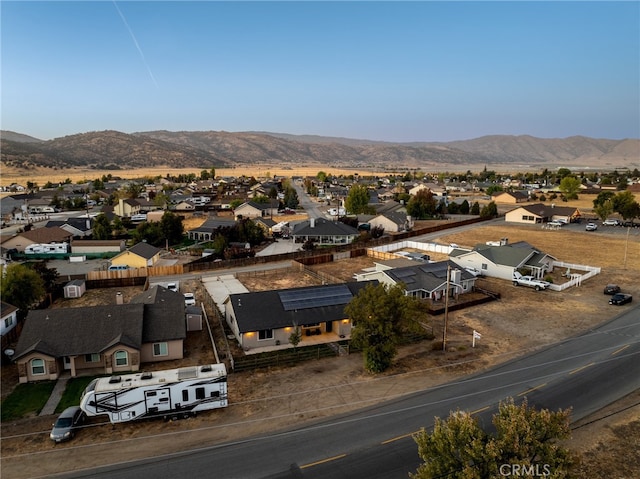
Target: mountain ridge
[(111, 149)]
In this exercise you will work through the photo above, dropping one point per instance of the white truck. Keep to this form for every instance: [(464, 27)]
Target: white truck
[(530, 281), (171, 393)]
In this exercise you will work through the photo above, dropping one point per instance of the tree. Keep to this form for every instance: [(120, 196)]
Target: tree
[(171, 227), (380, 315), (102, 229), (570, 185), (464, 207), (603, 197), (603, 210), (459, 448), (296, 336), (357, 200), (475, 208), (494, 189), (489, 211), (422, 205), (149, 232), (21, 286), (625, 203), (291, 197)]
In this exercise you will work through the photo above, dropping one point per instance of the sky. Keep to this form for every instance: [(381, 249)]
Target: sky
[(388, 71)]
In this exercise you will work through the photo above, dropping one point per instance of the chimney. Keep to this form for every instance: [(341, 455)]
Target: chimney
[(119, 298)]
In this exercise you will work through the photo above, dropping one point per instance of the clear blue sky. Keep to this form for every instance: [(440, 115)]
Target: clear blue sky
[(415, 71)]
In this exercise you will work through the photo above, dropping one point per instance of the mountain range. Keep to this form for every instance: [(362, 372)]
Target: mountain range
[(205, 149)]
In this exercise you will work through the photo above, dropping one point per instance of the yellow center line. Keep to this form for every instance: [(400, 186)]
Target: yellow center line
[(581, 368), (532, 389), (323, 461), (619, 350), (399, 437), (479, 410)]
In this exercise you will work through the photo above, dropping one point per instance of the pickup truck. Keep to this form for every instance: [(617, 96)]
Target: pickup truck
[(537, 284)]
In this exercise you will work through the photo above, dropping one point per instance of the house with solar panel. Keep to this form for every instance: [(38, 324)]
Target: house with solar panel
[(266, 319), (423, 280), (324, 232)]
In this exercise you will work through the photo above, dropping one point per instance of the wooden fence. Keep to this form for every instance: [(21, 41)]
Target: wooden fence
[(283, 358)]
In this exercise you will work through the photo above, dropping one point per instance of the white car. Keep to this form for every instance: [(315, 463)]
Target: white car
[(172, 287), (610, 222), (189, 299), (591, 227), (555, 223)]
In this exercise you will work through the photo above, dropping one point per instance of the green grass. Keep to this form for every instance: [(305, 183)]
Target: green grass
[(26, 400), (71, 396)]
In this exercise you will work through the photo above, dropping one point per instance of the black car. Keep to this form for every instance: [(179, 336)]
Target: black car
[(620, 298), (611, 289), (67, 424)]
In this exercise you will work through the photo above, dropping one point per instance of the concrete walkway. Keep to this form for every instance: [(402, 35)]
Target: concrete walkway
[(50, 407)]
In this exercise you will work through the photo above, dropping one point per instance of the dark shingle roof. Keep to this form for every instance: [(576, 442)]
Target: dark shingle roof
[(265, 309), (324, 227), (164, 317), (77, 331), (144, 250), (427, 277)]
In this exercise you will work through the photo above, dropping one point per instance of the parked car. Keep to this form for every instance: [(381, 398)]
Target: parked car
[(620, 298), (611, 289), (172, 287), (611, 222), (67, 423), (555, 223), (591, 227), (189, 299)]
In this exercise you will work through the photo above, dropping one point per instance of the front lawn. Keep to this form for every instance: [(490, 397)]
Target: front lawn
[(73, 392), (26, 400)]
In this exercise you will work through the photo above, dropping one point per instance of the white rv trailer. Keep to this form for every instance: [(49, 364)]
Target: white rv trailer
[(171, 393), (46, 248)]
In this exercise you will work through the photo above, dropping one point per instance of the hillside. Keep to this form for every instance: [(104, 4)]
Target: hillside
[(205, 149)]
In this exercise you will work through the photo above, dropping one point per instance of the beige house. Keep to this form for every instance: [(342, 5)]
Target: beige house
[(106, 339), (35, 236), (127, 207), (510, 197), (541, 213)]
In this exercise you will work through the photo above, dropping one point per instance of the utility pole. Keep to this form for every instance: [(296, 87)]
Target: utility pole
[(446, 311)]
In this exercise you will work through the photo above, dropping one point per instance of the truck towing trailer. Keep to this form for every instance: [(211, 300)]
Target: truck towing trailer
[(172, 393)]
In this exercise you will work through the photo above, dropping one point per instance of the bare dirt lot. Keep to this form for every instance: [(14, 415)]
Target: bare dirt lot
[(262, 400)]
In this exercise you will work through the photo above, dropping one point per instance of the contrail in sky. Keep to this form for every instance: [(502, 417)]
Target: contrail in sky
[(124, 20)]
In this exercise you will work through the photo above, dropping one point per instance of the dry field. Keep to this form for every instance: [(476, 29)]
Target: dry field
[(521, 321)]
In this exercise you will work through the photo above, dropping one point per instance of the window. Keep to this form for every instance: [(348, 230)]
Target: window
[(199, 393), (122, 358), (185, 395), (484, 265), (160, 349), (8, 322), (37, 366), (91, 358), (265, 334)]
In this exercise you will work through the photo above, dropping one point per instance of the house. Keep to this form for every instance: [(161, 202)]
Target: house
[(102, 339), (37, 236), (139, 255), (425, 280), (267, 318), (511, 197), (503, 259), (251, 209), (127, 207), (392, 222), (541, 213), (208, 230), (8, 323), (324, 232), (78, 227), (74, 288)]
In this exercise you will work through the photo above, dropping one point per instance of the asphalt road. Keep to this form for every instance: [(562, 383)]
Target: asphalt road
[(585, 373)]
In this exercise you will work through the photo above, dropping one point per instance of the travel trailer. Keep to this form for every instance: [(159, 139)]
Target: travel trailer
[(172, 393), (47, 248)]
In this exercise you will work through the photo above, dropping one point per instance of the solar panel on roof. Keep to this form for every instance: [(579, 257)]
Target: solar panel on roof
[(404, 273), (315, 297)]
